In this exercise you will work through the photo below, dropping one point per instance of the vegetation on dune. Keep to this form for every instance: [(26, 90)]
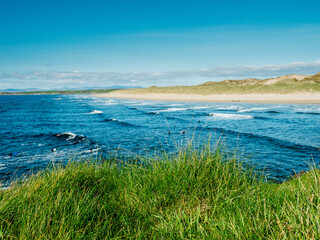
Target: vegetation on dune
[(198, 193), (282, 85)]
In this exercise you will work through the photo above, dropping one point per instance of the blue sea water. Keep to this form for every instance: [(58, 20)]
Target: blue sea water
[(279, 138)]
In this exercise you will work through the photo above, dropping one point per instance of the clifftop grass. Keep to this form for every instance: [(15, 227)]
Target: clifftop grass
[(195, 194), (287, 85)]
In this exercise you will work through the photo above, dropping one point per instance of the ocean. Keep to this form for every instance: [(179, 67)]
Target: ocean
[(36, 130)]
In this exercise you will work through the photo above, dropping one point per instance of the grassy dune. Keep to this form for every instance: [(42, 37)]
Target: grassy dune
[(285, 85), (195, 194)]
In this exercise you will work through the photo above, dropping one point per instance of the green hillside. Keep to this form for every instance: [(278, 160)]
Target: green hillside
[(281, 85)]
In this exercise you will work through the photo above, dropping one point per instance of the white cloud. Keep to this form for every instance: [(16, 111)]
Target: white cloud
[(76, 78)]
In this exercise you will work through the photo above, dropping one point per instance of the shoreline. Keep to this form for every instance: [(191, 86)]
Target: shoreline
[(223, 98)]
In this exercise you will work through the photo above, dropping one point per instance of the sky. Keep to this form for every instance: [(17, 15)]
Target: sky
[(73, 44)]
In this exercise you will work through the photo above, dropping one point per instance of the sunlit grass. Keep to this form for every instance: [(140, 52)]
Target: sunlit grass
[(198, 193), (288, 86)]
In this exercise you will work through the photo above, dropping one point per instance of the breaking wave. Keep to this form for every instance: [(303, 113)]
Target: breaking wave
[(230, 116)]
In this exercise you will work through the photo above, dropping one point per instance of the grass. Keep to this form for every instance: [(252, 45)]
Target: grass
[(248, 86), (198, 193)]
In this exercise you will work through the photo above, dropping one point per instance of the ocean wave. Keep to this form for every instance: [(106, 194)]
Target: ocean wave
[(272, 111), (310, 113), (200, 107), (155, 113), (173, 109), (96, 150), (120, 122), (142, 104), (229, 108), (230, 116), (110, 120), (308, 149), (68, 136), (96, 112), (134, 108), (129, 102), (174, 104), (111, 103), (251, 109)]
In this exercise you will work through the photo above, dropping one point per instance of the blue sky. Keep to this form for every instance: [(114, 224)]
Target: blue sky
[(56, 44)]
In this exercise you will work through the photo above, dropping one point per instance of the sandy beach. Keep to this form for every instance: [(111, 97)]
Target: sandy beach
[(250, 98)]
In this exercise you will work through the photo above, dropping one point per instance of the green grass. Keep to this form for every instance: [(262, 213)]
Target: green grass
[(255, 86), (198, 193)]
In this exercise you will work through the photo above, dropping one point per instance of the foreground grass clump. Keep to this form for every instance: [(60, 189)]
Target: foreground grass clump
[(196, 194)]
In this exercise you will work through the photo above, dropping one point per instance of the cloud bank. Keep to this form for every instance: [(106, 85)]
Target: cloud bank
[(78, 79)]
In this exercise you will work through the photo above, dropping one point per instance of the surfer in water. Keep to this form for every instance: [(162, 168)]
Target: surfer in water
[(53, 150)]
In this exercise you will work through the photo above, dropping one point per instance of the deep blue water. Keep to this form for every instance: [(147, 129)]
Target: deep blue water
[(282, 139)]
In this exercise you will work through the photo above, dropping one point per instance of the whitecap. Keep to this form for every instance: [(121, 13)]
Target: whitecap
[(110, 120), (70, 135), (175, 104), (92, 151), (173, 109), (95, 112), (111, 103), (228, 108), (200, 107), (230, 116), (251, 109)]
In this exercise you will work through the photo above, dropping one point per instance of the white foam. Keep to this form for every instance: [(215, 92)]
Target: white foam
[(143, 103), (251, 109), (228, 108), (230, 116), (111, 103), (308, 109), (93, 150), (70, 134), (173, 109), (95, 112), (175, 104), (200, 107)]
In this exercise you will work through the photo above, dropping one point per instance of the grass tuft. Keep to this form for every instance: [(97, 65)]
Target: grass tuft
[(198, 193)]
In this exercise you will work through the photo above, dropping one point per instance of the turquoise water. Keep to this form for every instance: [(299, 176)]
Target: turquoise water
[(282, 139)]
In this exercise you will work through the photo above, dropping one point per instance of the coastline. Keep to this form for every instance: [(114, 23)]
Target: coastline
[(227, 98)]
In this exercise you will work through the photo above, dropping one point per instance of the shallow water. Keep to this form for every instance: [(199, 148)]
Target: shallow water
[(282, 139)]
